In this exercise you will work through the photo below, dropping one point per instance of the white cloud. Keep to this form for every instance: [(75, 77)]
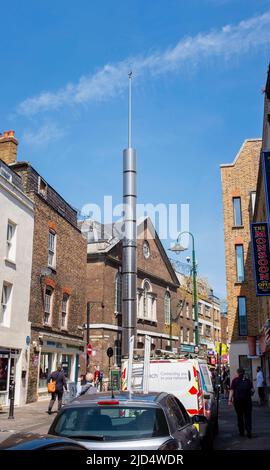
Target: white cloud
[(112, 78), (47, 133)]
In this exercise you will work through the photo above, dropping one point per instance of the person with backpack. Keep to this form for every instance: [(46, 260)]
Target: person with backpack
[(240, 396), (56, 385)]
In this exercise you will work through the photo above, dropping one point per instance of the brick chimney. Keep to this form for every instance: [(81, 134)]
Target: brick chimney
[(8, 147)]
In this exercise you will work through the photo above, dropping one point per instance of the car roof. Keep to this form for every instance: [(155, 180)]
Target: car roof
[(31, 440), (152, 399)]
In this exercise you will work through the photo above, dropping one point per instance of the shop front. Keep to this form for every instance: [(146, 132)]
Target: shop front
[(10, 368), (264, 344), (58, 351)]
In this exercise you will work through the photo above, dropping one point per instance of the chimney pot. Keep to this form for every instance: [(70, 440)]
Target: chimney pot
[(8, 147)]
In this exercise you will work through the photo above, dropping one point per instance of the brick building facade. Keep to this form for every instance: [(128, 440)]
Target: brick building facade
[(209, 317), (164, 298), (157, 286), (239, 180), (57, 295), (261, 214)]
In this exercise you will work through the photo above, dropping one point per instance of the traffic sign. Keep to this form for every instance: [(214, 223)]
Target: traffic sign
[(110, 352), (89, 350)]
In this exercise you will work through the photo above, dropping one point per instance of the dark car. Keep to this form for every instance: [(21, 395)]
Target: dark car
[(137, 421), (33, 441)]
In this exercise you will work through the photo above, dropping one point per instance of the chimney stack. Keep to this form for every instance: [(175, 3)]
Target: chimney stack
[(8, 147)]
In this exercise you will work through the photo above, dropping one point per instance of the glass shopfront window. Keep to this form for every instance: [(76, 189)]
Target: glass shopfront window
[(45, 368), (67, 365), (4, 362)]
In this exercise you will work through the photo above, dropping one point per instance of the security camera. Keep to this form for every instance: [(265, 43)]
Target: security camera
[(188, 259)]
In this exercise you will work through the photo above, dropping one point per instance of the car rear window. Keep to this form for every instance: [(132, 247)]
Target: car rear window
[(111, 423)]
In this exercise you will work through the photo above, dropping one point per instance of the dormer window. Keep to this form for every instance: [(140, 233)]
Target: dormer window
[(42, 187)]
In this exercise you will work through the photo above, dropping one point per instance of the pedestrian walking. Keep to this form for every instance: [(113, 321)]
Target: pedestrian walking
[(260, 385), (56, 385), (226, 385), (240, 396)]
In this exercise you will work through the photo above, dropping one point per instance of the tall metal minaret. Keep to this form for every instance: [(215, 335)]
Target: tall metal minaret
[(129, 242)]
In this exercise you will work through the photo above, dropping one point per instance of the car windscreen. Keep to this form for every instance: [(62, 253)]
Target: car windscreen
[(111, 423)]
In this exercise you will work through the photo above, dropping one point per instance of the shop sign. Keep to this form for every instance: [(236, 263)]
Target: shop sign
[(261, 257)]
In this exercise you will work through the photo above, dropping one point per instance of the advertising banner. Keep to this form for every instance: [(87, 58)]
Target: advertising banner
[(261, 257)]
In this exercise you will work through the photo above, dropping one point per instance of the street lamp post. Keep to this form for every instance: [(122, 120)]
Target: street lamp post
[(176, 249)]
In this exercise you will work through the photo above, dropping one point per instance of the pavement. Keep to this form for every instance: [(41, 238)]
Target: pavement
[(33, 418), (28, 418), (228, 437)]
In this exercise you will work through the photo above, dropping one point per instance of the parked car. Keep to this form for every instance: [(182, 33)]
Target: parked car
[(33, 441), (153, 421), (209, 430), (190, 381)]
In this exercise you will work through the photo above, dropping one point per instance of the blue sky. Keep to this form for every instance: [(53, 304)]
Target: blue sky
[(199, 69)]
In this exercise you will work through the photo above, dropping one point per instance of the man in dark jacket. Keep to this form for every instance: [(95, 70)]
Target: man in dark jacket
[(240, 395), (59, 378)]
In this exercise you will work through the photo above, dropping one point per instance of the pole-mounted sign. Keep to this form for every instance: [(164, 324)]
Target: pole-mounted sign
[(89, 350)]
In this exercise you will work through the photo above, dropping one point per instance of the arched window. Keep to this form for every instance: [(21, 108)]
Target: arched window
[(167, 308), (146, 302), (118, 294)]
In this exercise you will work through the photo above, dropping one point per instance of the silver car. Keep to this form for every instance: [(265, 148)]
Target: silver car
[(153, 421)]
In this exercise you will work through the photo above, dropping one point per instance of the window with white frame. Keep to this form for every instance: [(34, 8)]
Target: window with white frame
[(207, 311), (207, 330), (187, 310), (147, 302), (42, 187), (167, 308), (11, 241), (199, 308), (181, 306), (48, 304), (5, 304), (65, 307), (188, 335), (52, 249), (181, 334), (118, 294), (201, 328), (193, 312)]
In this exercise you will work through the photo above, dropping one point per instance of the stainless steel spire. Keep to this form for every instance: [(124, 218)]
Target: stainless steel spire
[(129, 243)]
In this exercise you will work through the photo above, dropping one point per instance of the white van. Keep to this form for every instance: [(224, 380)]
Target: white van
[(181, 377)]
